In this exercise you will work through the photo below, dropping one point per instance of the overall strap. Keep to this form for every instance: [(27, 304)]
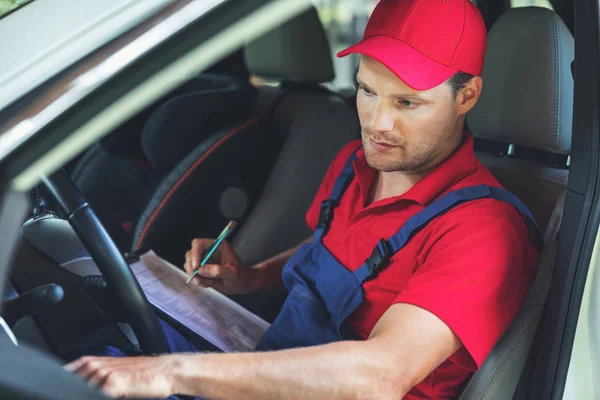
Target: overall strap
[(327, 206), (386, 249)]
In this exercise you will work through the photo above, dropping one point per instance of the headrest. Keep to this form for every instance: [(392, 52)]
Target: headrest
[(232, 65), (295, 51), (527, 96), (202, 106)]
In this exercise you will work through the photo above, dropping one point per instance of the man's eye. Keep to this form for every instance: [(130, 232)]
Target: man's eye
[(366, 91), (407, 103)]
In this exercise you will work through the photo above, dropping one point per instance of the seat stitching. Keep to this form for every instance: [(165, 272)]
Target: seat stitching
[(517, 345), (518, 342), (490, 380)]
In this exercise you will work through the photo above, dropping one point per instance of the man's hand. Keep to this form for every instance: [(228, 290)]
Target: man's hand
[(129, 377), (224, 271)]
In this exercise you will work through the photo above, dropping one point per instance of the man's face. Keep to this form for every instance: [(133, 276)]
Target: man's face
[(404, 129)]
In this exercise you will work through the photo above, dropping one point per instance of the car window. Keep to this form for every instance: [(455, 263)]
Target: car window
[(345, 22), (7, 6), (527, 3)]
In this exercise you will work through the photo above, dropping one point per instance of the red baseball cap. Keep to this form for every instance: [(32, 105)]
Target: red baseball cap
[(425, 42)]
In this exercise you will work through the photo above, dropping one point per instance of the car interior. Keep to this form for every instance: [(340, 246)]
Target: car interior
[(221, 148)]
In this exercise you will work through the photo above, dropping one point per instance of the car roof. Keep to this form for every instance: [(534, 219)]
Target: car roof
[(59, 32)]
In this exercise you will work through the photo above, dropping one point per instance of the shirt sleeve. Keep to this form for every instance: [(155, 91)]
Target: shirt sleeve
[(475, 276), (335, 168)]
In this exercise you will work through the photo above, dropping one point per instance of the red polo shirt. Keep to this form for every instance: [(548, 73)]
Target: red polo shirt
[(471, 266)]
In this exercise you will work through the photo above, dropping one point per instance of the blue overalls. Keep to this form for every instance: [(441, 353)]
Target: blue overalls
[(323, 293)]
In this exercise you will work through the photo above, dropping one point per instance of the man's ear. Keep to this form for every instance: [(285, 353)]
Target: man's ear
[(467, 96)]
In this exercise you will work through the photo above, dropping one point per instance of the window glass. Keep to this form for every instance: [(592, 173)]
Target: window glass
[(344, 22), (527, 3), (6, 6)]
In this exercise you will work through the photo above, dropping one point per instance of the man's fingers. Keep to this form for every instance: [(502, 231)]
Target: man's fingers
[(216, 271), (85, 367), (187, 266), (205, 282), (97, 378), (75, 365), (210, 271), (197, 281), (82, 366), (114, 384), (198, 250)]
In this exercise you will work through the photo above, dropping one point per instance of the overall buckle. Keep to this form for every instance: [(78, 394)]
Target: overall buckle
[(379, 257), (326, 214)]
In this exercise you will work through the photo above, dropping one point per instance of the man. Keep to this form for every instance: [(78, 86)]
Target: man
[(410, 316)]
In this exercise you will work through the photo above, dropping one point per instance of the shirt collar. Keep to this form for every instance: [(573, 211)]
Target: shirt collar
[(460, 164)]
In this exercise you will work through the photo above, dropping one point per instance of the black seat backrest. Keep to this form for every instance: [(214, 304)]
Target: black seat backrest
[(202, 107), (218, 181), (526, 109), (118, 183)]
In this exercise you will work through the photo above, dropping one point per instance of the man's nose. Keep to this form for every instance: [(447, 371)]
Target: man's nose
[(382, 119)]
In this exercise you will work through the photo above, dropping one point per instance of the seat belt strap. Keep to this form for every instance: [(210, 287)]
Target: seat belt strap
[(386, 249)]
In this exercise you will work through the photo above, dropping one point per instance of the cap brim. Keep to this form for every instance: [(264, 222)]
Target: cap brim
[(413, 67)]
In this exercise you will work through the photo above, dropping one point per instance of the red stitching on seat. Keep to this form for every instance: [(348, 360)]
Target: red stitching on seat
[(187, 173)]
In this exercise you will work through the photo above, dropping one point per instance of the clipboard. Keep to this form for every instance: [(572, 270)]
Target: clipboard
[(209, 319)]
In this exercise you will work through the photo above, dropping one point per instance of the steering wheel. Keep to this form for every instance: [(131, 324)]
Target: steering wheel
[(96, 240)]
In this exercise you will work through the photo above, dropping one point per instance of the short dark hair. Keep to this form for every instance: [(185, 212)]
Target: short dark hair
[(458, 81)]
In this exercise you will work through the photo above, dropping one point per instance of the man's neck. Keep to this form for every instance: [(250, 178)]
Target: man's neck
[(391, 184)]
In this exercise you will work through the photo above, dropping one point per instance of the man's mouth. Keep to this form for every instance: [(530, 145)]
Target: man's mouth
[(380, 146)]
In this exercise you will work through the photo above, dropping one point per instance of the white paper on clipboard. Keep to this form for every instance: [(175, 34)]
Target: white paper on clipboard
[(205, 311)]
